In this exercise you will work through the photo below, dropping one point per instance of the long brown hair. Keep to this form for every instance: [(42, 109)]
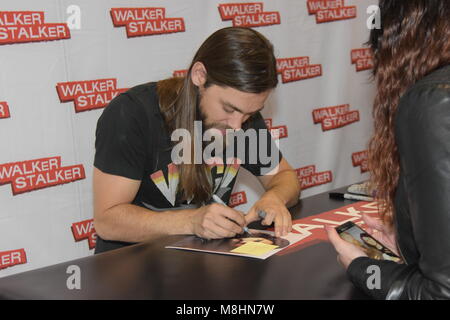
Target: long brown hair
[(240, 58), (413, 42)]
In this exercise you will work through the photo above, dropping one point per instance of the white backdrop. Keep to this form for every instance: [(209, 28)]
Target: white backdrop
[(52, 221)]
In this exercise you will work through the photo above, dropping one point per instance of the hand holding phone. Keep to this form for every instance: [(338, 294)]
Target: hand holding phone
[(352, 233)]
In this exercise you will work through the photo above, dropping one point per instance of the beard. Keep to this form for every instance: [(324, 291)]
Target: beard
[(206, 124), (225, 131)]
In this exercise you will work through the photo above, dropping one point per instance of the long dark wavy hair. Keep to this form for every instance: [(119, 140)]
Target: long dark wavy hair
[(414, 40), (240, 58)]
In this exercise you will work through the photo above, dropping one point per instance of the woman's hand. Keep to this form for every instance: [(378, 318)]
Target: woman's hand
[(380, 231), (347, 251)]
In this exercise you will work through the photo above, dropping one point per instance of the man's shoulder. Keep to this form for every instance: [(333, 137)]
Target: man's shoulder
[(145, 96), (143, 89), (140, 101), (139, 104)]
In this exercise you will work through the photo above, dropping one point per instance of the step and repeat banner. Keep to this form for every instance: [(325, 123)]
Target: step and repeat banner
[(62, 61)]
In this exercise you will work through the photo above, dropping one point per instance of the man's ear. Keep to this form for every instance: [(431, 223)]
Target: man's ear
[(198, 74)]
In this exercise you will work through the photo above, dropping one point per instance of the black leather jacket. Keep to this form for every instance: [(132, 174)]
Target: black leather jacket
[(422, 201)]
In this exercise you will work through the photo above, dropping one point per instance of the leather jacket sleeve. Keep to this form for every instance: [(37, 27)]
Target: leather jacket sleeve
[(423, 139)]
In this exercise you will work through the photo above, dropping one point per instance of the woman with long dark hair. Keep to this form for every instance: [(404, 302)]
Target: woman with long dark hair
[(409, 154)]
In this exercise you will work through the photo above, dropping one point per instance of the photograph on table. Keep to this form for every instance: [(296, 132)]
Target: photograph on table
[(256, 244)]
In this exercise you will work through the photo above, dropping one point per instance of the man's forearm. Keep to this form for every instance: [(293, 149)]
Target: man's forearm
[(131, 223), (285, 186)]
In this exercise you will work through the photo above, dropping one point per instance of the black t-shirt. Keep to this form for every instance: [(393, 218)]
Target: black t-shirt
[(132, 142)]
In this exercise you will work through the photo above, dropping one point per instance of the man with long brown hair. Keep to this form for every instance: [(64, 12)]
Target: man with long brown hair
[(141, 192), (409, 155)]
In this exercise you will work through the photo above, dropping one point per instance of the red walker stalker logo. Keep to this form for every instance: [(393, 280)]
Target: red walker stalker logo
[(85, 230), (180, 73), (309, 178), (248, 14), (37, 174), (335, 117), (330, 10), (237, 198), (4, 110), (12, 258), (146, 21), (360, 159), (90, 94), (362, 58), (277, 132), (29, 26), (297, 68), (313, 228)]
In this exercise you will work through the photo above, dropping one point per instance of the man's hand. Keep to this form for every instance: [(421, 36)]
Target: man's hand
[(217, 221), (276, 211)]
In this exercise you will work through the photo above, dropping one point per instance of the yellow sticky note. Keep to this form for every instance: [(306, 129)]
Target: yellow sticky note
[(254, 248)]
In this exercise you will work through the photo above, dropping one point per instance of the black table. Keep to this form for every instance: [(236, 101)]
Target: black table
[(149, 271)]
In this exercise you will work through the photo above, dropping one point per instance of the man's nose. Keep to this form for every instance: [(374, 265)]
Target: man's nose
[(235, 122)]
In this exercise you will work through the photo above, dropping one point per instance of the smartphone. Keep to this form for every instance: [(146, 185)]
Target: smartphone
[(352, 233)]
